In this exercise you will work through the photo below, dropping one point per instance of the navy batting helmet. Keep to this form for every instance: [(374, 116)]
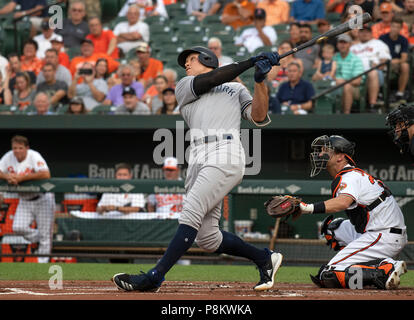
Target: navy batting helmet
[(206, 57)]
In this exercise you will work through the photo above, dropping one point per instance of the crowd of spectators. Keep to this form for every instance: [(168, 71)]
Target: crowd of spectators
[(114, 66)]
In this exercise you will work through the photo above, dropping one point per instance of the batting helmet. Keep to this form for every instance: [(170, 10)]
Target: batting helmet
[(339, 144), (206, 57), (404, 117)]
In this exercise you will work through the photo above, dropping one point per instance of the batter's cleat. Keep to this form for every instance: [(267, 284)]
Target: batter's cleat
[(393, 281), (141, 282), (268, 272)]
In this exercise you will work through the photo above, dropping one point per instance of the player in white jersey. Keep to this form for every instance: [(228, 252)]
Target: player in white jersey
[(375, 232), (118, 204), (212, 107), (24, 164)]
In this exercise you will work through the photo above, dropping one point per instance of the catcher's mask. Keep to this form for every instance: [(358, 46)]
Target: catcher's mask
[(399, 120), (324, 147)]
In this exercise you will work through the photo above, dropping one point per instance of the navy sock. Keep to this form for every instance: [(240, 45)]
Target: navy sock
[(235, 246), (182, 241)]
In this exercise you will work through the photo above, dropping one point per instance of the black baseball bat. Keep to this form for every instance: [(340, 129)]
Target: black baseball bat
[(352, 23)]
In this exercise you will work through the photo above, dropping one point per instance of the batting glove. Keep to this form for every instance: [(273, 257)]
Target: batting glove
[(262, 68), (273, 58)]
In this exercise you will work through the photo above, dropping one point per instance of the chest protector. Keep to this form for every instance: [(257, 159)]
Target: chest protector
[(359, 216)]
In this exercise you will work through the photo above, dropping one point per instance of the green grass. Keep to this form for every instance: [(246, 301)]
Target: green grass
[(101, 271)]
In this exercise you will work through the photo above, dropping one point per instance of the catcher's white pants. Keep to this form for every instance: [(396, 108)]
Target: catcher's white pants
[(365, 247), (214, 169), (42, 211)]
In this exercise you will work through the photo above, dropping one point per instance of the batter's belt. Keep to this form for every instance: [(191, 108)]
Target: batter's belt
[(213, 138)]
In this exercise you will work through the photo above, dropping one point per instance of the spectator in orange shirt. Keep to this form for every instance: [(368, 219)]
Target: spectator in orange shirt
[(150, 67), (104, 40), (29, 60), (277, 11), (238, 13), (64, 60), (335, 6), (88, 55), (384, 26)]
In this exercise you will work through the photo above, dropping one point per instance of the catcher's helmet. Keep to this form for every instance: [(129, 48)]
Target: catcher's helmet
[(206, 57), (319, 159), (403, 117)]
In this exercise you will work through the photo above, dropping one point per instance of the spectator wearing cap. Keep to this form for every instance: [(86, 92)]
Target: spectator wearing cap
[(55, 89), (259, 35), (88, 54), (63, 57), (150, 67), (167, 203), (104, 40), (398, 46), (383, 27), (76, 106), (84, 84), (277, 11), (348, 66), (75, 28), (126, 73), (372, 52), (62, 73), (29, 60), (169, 102), (131, 32), (238, 13), (132, 105), (309, 11), (44, 39)]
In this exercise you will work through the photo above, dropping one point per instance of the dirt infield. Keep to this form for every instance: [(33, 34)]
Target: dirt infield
[(177, 290)]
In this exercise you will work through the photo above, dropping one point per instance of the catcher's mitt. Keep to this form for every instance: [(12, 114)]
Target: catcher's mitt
[(283, 206)]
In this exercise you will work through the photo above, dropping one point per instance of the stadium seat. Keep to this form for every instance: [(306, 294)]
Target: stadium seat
[(110, 8), (103, 110), (324, 105), (7, 109)]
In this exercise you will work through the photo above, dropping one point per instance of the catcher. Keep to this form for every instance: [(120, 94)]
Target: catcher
[(373, 235)]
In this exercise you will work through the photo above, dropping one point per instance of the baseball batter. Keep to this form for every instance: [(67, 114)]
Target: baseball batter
[(23, 164), (375, 232), (212, 107)]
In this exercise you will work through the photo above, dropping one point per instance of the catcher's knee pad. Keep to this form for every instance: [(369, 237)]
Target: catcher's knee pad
[(329, 225)]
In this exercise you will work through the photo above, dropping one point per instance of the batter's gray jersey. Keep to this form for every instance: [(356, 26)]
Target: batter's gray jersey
[(220, 109)]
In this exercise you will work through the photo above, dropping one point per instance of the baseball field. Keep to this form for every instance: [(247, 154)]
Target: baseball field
[(91, 281)]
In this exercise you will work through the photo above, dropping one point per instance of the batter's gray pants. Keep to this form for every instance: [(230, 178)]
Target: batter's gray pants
[(214, 169)]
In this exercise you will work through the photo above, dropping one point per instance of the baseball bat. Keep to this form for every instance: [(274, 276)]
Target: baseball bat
[(352, 23)]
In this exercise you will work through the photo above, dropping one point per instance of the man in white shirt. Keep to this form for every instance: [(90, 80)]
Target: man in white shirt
[(372, 52), (130, 33), (44, 39), (259, 35), (118, 204), (23, 164)]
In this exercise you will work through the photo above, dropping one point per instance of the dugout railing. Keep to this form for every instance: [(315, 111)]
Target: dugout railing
[(79, 235)]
